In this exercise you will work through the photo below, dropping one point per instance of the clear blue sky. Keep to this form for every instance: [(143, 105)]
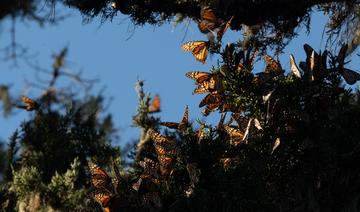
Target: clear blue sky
[(103, 51)]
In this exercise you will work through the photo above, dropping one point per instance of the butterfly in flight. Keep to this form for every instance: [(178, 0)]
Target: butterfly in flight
[(29, 104), (154, 106)]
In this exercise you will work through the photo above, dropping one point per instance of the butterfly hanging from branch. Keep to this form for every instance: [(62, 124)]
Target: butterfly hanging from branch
[(206, 82), (166, 150), (105, 188), (350, 76), (211, 24)]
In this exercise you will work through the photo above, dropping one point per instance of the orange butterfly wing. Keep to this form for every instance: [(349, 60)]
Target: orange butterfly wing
[(103, 197), (198, 48), (99, 178), (211, 99), (185, 119), (155, 105), (165, 150), (208, 21), (272, 66), (222, 31), (30, 104), (236, 135), (198, 76)]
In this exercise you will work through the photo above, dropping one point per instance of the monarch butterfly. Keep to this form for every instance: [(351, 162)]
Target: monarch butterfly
[(315, 64), (203, 88), (165, 149), (149, 176), (199, 76), (199, 49), (209, 108), (137, 184), (208, 86), (154, 106), (212, 98), (242, 121), (200, 133), (272, 66), (166, 163), (226, 163), (99, 178), (150, 167), (293, 67), (222, 30), (236, 135), (163, 145), (308, 50), (276, 145), (208, 21), (104, 198), (350, 76), (30, 104), (212, 101), (207, 82), (179, 126)]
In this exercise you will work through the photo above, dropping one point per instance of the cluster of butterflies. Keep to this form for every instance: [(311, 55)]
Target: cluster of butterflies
[(315, 66), (211, 25), (211, 83), (208, 83), (105, 188)]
